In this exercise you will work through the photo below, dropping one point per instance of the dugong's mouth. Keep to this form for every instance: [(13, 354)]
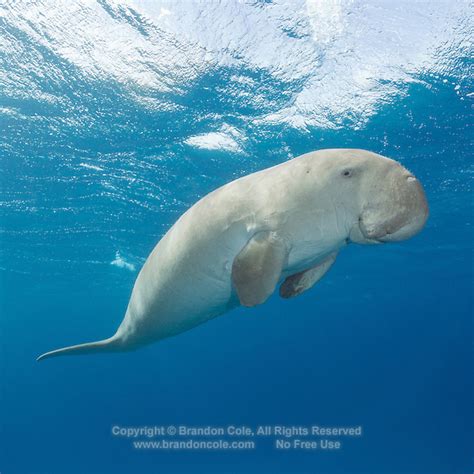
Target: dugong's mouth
[(395, 229), (405, 232), (392, 230)]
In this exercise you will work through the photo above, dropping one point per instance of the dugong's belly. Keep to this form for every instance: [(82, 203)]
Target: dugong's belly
[(185, 281), (175, 293)]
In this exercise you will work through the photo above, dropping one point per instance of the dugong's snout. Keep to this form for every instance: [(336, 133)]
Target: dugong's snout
[(400, 211)]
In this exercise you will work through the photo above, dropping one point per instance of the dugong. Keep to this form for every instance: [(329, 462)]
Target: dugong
[(285, 224)]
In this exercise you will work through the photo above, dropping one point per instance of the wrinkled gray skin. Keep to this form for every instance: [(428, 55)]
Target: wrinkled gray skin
[(285, 224)]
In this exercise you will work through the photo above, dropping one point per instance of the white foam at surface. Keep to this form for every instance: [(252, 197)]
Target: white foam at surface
[(120, 262), (344, 58), (227, 139), (213, 141)]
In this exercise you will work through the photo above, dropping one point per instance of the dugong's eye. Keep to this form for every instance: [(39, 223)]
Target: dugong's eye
[(347, 173)]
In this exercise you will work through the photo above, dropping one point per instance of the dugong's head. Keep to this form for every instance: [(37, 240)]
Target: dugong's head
[(388, 203)]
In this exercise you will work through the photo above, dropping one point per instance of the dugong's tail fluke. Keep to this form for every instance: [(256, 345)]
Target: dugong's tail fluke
[(111, 344)]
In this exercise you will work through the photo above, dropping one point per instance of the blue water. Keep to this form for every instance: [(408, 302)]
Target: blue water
[(117, 117)]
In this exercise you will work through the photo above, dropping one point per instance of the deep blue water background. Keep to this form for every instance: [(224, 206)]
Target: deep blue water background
[(383, 341)]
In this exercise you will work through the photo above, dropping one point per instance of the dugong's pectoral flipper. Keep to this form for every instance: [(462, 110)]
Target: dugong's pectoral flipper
[(257, 268), (296, 284)]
